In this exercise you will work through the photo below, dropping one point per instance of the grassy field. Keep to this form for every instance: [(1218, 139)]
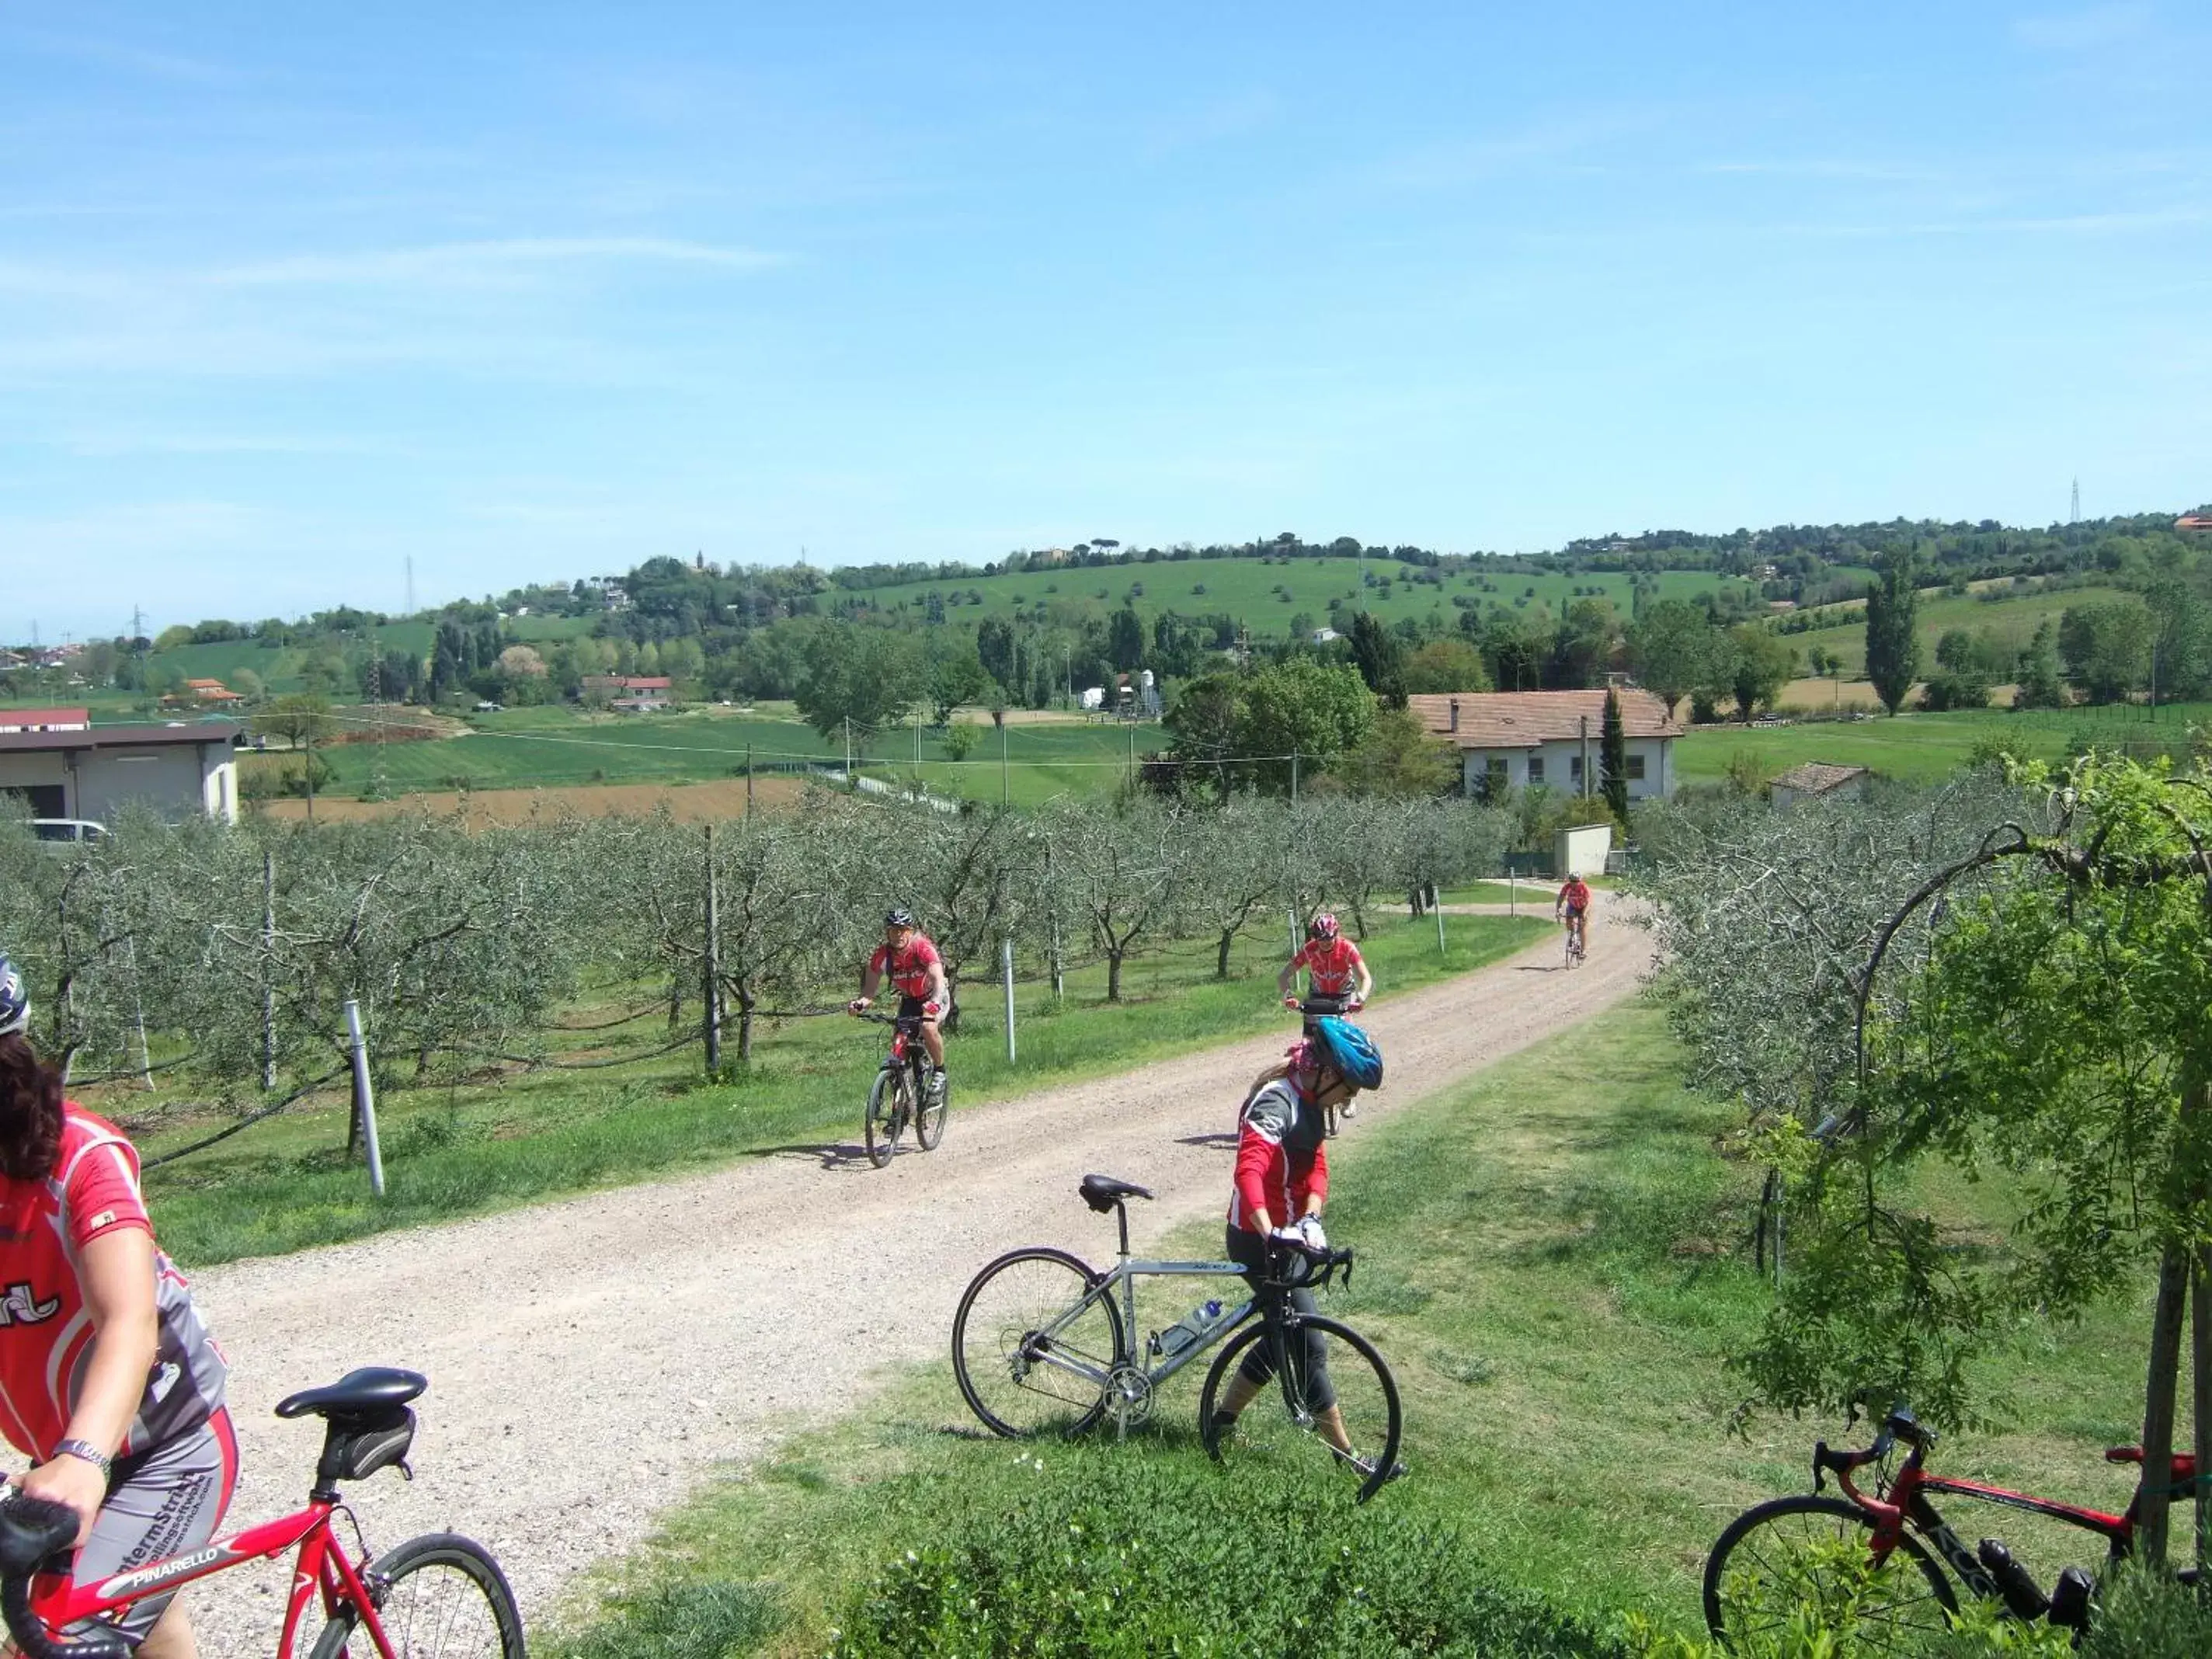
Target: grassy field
[(2011, 616), (1553, 1261), (552, 747), (1922, 748), (287, 1183), (1266, 597)]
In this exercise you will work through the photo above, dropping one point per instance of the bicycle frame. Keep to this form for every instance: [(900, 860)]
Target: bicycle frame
[(1907, 1504), (322, 1565)]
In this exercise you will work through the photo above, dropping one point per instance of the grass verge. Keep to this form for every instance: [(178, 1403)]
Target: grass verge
[(290, 1183), (1554, 1262)]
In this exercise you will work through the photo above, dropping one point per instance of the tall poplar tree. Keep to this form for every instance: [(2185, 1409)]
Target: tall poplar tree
[(1612, 756), (1893, 649)]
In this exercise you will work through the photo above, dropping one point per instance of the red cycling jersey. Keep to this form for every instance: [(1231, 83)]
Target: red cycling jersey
[(1332, 965), (1576, 896), (908, 969), (46, 1328), (1281, 1163)]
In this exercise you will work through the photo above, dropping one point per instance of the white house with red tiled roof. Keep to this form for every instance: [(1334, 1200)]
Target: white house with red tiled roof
[(13, 721), (1517, 739)]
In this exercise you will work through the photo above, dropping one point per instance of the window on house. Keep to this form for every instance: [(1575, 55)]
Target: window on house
[(1535, 769), (1574, 769), (1636, 769)]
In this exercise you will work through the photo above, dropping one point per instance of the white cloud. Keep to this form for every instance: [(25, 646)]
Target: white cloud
[(484, 261), (2081, 31)]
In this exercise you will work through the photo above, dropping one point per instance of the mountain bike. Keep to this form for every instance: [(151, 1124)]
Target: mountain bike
[(431, 1597), (900, 1093), (1879, 1561), (1040, 1344)]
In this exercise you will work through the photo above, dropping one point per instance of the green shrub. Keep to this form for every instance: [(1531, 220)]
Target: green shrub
[(1110, 1556)]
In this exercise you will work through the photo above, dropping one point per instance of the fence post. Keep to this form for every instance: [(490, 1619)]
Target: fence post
[(1296, 942), (1007, 967), (364, 1097), (749, 779), (138, 1012), (1439, 907), (268, 971), (711, 957)]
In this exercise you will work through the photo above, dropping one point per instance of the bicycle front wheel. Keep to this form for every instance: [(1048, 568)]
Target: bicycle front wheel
[(438, 1596), (1032, 1352), (1293, 1423), (886, 1115), (1777, 1558), (929, 1114)]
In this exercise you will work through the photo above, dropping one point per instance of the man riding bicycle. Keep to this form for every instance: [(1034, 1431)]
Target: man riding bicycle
[(910, 960), (1336, 971), (1574, 903)]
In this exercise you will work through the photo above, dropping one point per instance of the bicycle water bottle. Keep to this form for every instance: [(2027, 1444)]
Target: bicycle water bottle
[(1191, 1327)]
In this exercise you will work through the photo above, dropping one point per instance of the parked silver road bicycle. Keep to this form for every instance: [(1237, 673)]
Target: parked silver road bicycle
[(1045, 1344)]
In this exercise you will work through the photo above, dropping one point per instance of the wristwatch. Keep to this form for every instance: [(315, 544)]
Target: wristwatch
[(85, 1451)]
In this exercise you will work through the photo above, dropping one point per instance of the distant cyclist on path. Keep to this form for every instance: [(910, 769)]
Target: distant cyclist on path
[(1574, 903), (109, 1381), (909, 960), (1336, 971)]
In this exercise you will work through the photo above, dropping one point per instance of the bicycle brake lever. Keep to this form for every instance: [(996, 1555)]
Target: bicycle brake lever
[(1819, 1466)]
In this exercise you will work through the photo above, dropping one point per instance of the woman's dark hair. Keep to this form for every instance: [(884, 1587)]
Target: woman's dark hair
[(30, 1111)]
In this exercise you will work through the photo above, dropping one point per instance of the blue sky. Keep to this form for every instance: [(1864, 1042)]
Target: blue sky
[(289, 294)]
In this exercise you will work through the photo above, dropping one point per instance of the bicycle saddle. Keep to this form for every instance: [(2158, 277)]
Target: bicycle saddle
[(1101, 1193), (2185, 1463), (373, 1388)]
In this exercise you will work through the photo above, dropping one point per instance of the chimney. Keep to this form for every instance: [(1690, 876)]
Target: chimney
[(1455, 713)]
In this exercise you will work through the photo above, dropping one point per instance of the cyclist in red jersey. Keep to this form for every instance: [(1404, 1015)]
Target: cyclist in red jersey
[(909, 960), (1574, 903), (1334, 970), (109, 1381), (1281, 1184)]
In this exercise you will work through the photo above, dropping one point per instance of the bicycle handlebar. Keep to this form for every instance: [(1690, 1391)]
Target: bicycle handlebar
[(1305, 1267), (31, 1529)]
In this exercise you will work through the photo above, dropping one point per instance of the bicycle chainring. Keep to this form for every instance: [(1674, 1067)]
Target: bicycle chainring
[(1128, 1397)]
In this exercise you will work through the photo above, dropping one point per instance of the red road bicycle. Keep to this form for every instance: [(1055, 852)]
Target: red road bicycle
[(1877, 1562), (438, 1596), (900, 1093)]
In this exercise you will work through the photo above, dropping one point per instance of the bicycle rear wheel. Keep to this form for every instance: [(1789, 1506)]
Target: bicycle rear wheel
[(929, 1113), (438, 1596), (1282, 1429), (1027, 1364), (1777, 1558), (887, 1113)]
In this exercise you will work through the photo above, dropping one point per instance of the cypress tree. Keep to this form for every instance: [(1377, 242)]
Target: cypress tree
[(1612, 756), (1893, 649)]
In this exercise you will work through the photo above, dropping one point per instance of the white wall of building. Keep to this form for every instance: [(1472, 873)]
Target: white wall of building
[(173, 778), (1557, 766)]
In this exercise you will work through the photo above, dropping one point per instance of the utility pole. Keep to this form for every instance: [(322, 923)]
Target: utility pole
[(711, 962), (851, 782), (749, 779), (1585, 757)]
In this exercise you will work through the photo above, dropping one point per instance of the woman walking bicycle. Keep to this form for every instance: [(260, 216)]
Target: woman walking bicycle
[(1281, 1186), (110, 1381)]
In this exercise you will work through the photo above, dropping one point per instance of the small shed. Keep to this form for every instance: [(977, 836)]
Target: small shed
[(1581, 850), (1817, 780)]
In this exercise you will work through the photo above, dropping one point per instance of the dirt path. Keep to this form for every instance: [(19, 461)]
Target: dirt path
[(592, 1360)]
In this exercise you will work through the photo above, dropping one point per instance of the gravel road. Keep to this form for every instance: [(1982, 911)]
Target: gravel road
[(593, 1361)]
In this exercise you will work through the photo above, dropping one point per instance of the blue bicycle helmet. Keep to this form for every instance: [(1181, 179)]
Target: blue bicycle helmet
[(15, 1000), (1349, 1050)]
